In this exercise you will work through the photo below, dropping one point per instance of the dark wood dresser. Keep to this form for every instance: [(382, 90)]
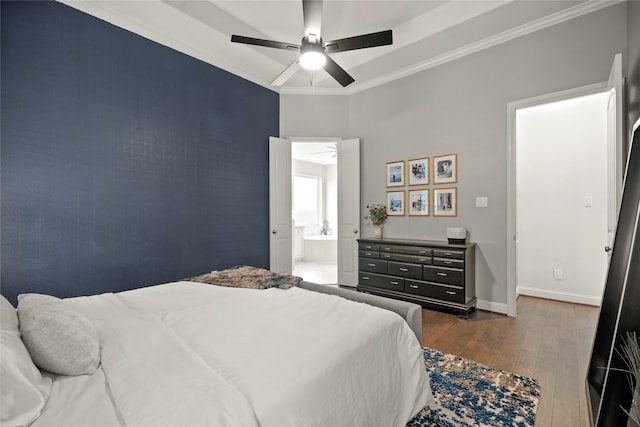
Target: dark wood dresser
[(429, 273)]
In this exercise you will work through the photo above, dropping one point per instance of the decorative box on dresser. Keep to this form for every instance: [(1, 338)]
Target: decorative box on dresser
[(429, 273)]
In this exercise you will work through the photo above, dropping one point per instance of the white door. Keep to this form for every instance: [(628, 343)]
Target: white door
[(348, 210), (280, 223), (615, 155)]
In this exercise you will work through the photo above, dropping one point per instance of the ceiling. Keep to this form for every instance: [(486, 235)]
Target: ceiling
[(322, 153), (426, 33)]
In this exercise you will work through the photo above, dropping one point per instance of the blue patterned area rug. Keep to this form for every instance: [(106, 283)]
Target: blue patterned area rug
[(471, 394)]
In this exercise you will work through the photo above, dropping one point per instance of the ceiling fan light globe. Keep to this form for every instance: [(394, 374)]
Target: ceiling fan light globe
[(312, 60)]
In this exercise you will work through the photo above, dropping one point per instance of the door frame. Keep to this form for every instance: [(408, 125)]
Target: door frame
[(347, 261), (512, 108), (305, 139)]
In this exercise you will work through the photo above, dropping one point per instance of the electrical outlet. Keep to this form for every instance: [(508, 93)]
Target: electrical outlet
[(588, 201), (557, 274)]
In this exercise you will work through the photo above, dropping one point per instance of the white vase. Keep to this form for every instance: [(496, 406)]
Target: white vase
[(377, 232)]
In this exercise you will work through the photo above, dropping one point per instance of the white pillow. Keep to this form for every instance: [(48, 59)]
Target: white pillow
[(24, 391), (59, 339)]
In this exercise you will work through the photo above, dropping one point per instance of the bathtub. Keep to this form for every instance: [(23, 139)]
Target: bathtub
[(321, 248), (321, 237)]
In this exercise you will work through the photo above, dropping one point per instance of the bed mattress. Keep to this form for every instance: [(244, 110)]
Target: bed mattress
[(187, 353)]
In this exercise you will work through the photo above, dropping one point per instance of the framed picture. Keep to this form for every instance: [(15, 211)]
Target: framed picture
[(395, 203), (419, 202), (445, 169), (418, 171), (395, 174), (445, 202)]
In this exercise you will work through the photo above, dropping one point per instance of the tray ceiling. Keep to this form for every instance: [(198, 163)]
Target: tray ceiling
[(426, 33)]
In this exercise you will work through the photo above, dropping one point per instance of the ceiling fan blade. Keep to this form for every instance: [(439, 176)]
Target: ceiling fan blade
[(312, 15), (337, 72), (286, 74), (265, 43), (381, 38)]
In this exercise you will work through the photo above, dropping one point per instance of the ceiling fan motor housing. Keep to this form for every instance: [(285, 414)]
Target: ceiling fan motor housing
[(312, 55)]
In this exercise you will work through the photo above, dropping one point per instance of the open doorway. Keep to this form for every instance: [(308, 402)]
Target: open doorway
[(561, 198), (314, 200), (614, 171)]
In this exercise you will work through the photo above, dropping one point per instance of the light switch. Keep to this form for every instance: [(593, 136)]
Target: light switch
[(588, 201), (482, 202)]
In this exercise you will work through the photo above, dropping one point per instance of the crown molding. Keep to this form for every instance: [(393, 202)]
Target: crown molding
[(313, 91), (522, 30)]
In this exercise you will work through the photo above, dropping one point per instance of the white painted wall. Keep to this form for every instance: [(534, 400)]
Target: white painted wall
[(561, 151)]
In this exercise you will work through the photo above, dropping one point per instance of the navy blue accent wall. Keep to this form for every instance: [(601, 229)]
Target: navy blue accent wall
[(123, 162)]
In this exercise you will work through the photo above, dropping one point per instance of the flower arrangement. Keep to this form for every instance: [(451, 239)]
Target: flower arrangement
[(377, 214)]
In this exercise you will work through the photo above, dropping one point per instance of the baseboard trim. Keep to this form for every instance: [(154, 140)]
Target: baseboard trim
[(495, 307), (559, 296)]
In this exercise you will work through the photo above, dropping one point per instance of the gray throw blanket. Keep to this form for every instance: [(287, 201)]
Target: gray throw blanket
[(244, 276)]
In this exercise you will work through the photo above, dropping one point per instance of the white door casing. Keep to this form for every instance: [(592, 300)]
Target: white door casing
[(615, 155), (280, 222), (348, 210), (512, 238)]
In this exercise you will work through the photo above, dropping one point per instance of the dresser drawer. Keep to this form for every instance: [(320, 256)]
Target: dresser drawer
[(449, 276), (417, 259), (405, 269), (369, 254), (411, 250), (369, 246), (379, 281), (430, 290), (444, 253), (372, 265), (446, 262)]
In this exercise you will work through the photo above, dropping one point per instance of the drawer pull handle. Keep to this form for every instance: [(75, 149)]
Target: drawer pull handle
[(422, 259), (404, 269), (447, 253), (365, 278), (448, 262), (387, 255), (368, 253), (368, 247), (423, 252), (371, 264), (413, 286), (451, 292), (393, 282), (387, 249), (442, 274)]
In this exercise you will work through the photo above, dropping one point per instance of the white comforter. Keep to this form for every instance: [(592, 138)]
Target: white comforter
[(190, 354)]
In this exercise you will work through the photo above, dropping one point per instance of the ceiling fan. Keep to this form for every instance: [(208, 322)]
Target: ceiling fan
[(333, 149), (314, 51)]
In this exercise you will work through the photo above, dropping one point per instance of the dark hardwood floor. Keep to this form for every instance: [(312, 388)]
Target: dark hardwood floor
[(548, 340)]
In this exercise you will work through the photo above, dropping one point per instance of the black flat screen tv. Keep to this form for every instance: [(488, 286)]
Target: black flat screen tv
[(609, 392)]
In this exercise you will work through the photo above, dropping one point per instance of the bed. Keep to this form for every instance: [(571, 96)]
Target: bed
[(193, 354)]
